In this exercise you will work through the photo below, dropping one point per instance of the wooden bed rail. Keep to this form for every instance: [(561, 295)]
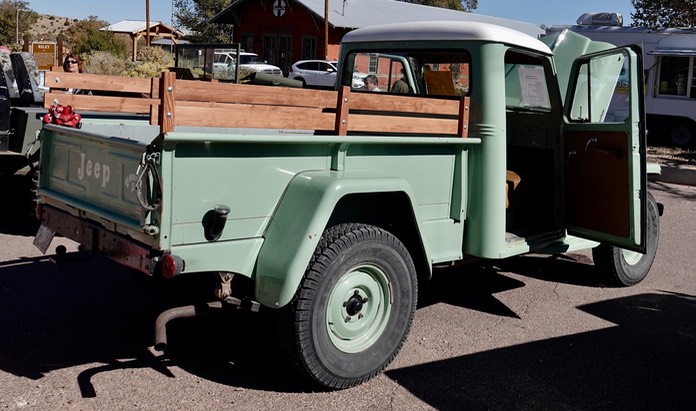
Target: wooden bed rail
[(170, 103)]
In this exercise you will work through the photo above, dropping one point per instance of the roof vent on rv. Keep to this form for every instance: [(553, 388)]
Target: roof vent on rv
[(600, 19)]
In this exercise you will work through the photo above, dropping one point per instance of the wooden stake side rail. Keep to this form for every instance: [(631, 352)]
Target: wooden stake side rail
[(170, 103)]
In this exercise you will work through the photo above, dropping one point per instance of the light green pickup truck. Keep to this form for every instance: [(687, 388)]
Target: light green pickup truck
[(329, 207)]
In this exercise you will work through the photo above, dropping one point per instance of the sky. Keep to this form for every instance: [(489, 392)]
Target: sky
[(548, 12)]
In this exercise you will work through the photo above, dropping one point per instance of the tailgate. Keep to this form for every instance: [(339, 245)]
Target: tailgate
[(94, 170)]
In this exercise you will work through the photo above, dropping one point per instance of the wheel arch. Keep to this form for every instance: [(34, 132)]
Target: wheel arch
[(316, 200), (392, 211)]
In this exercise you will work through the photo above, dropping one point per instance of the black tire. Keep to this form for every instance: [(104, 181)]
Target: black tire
[(681, 135), (624, 268), (337, 330)]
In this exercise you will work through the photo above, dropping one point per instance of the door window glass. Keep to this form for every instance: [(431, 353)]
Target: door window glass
[(602, 91)]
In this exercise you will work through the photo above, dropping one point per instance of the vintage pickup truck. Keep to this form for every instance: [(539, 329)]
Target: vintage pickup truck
[(329, 207)]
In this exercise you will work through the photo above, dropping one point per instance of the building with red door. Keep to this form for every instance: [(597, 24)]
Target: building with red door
[(284, 31)]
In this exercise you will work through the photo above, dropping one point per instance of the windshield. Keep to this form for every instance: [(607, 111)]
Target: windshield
[(250, 59)]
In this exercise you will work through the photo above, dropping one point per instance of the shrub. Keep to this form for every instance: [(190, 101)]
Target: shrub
[(102, 62), (152, 61)]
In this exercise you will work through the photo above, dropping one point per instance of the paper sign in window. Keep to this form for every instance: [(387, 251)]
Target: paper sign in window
[(533, 85)]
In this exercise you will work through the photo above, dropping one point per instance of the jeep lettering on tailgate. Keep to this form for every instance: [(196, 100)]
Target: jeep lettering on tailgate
[(93, 169)]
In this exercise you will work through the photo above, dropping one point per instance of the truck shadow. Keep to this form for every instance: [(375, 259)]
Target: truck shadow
[(675, 190), (17, 206), (93, 312), (646, 361), (55, 317), (474, 285), (471, 286), (571, 268)]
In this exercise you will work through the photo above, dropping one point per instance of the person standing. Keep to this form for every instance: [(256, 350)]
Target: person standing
[(400, 86), (371, 83), (74, 64)]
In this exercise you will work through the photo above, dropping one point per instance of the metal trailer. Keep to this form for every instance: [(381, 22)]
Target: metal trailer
[(670, 73)]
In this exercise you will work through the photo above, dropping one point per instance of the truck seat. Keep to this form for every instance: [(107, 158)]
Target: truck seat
[(512, 180)]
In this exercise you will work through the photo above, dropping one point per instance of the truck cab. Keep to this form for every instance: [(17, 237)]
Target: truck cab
[(562, 153)]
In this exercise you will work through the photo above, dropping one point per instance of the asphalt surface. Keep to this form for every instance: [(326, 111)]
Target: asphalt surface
[(529, 333)]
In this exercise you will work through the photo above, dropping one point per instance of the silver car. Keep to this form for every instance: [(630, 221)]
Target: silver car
[(314, 73), (321, 73)]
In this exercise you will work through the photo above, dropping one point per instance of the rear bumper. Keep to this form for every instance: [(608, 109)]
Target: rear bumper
[(95, 238)]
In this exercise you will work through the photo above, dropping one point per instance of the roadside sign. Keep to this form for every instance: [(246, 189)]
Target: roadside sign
[(44, 54)]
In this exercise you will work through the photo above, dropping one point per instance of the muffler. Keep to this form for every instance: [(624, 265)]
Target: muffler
[(183, 312)]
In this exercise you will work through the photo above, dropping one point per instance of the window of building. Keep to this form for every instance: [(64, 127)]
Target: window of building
[(248, 42), (284, 59), (373, 66), (270, 47), (309, 47)]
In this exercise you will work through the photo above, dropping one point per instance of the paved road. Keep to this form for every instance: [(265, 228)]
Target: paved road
[(534, 332)]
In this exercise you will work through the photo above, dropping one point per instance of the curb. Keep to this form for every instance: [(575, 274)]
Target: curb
[(676, 175)]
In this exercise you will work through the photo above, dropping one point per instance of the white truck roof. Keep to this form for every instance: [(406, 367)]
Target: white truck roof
[(443, 31)]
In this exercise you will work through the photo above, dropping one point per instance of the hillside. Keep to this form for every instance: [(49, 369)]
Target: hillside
[(48, 27)]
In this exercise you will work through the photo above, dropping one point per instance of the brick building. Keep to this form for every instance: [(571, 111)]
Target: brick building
[(284, 31)]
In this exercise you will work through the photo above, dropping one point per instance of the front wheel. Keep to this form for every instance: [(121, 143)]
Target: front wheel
[(354, 307), (623, 267)]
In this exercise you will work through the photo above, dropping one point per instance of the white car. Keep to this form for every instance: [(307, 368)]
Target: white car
[(314, 73), (321, 73), (224, 61)]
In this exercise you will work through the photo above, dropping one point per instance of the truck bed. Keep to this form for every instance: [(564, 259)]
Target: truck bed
[(134, 188)]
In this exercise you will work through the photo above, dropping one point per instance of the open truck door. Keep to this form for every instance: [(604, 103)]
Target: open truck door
[(605, 187)]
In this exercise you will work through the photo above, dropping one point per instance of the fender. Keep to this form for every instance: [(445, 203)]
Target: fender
[(298, 224)]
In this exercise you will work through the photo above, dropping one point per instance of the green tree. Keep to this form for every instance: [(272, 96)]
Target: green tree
[(194, 16), (85, 37), (664, 13), (8, 20), (460, 5)]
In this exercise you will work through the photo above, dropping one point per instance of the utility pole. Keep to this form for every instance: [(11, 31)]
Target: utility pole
[(17, 25), (147, 22), (326, 29)]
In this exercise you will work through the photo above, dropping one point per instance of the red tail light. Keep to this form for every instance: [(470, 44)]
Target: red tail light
[(171, 265), (38, 211)]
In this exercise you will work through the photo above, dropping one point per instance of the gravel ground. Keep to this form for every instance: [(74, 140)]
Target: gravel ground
[(673, 157)]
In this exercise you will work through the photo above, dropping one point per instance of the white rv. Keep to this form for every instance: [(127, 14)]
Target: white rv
[(670, 72)]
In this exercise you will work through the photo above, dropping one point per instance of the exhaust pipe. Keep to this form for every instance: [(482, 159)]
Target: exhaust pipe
[(181, 312)]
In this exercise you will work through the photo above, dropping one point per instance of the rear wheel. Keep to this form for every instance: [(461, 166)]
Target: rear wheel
[(354, 307), (681, 135), (623, 267)]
